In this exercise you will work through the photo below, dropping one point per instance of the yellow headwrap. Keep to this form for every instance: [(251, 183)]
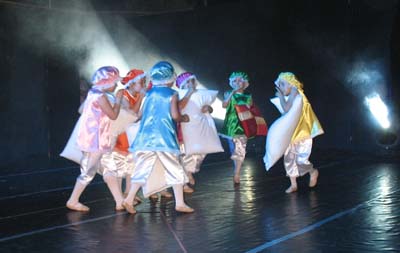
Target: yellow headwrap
[(291, 79), (308, 125)]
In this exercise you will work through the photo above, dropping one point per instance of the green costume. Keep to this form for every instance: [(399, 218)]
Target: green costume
[(232, 125)]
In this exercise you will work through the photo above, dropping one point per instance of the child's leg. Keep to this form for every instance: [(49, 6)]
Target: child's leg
[(198, 158), (120, 182), (175, 175), (188, 164), (238, 150), (73, 201), (313, 178), (187, 189), (292, 170), (192, 181), (127, 183), (128, 201), (303, 152), (128, 188), (293, 185), (180, 204), (115, 189), (112, 167), (165, 194), (89, 166), (238, 167)]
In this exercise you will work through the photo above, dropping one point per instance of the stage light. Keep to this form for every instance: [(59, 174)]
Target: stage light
[(378, 109)]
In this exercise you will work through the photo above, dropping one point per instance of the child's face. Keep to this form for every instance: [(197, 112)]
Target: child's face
[(191, 84), (239, 83), (137, 86), (283, 86)]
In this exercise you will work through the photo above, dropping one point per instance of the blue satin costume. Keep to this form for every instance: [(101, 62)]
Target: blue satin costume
[(155, 149)]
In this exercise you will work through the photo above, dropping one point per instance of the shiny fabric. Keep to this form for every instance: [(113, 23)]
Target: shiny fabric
[(122, 143), (94, 131), (133, 76), (156, 171), (192, 163), (232, 125), (105, 77), (183, 78), (162, 73), (116, 164), (71, 150), (90, 164), (280, 133), (237, 146), (308, 126), (296, 158), (157, 131)]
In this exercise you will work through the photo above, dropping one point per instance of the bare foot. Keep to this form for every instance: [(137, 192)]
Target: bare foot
[(313, 178), (77, 207), (184, 209), (119, 208), (139, 200), (291, 189), (187, 189), (166, 194), (236, 179), (128, 207)]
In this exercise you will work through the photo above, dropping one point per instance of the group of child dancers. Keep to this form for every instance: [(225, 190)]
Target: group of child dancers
[(175, 132)]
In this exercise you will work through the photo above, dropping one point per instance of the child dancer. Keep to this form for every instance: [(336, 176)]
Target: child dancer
[(232, 129), (196, 103), (135, 81), (155, 149), (94, 136), (305, 127)]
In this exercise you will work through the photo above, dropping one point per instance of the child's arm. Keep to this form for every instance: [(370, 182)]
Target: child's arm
[(287, 104), (111, 111), (176, 115), (138, 103), (183, 102), (227, 98)]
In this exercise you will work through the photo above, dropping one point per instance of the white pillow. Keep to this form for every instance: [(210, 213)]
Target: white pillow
[(131, 131), (156, 181), (280, 133), (71, 150), (277, 104), (200, 134), (125, 118), (118, 126)]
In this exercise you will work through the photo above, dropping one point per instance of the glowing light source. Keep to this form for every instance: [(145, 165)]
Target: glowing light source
[(378, 109)]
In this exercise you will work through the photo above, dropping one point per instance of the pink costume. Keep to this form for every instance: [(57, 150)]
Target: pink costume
[(94, 132), (94, 135)]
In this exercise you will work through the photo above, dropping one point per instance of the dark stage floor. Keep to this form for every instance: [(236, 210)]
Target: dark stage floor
[(355, 208)]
